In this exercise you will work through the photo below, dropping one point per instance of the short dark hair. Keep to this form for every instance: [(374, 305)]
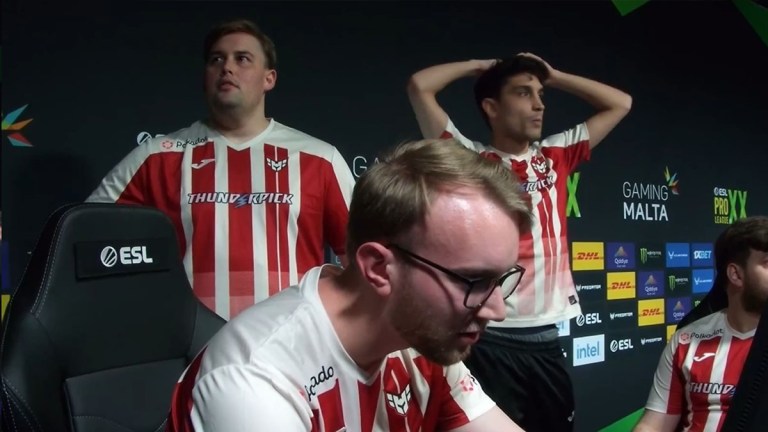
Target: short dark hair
[(490, 82), (736, 242), (241, 26)]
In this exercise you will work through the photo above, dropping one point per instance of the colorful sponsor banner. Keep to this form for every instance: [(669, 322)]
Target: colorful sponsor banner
[(650, 284), (702, 255), (587, 256), (619, 256), (620, 285), (677, 308), (650, 312), (702, 280), (678, 255)]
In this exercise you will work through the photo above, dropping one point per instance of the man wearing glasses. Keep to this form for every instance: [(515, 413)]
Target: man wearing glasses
[(378, 345)]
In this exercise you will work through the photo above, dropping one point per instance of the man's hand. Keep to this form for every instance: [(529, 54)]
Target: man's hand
[(483, 65), (552, 72)]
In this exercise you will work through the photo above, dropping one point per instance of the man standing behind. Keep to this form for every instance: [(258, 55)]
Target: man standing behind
[(519, 361), (699, 369), (253, 201)]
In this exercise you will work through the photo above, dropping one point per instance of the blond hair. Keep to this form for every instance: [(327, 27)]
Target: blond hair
[(395, 194)]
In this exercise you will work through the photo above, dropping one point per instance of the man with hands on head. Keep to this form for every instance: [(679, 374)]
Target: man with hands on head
[(520, 361)]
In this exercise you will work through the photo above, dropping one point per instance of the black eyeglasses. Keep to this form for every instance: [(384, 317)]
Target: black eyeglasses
[(478, 290)]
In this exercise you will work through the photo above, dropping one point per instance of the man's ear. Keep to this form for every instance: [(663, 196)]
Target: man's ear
[(735, 275), (373, 260), (490, 107), (270, 79)]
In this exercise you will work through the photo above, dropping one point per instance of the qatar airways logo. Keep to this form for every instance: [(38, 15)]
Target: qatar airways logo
[(240, 199)]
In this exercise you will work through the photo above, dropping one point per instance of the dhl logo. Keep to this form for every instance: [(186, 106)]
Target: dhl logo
[(621, 285), (651, 312), (588, 256), (584, 256)]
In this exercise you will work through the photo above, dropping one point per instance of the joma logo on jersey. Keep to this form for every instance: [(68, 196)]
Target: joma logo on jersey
[(240, 199), (712, 388)]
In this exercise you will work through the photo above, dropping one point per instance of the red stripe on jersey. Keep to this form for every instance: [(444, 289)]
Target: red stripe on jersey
[(737, 355), (403, 412), (204, 233), (331, 410), (181, 400), (443, 412), (241, 283), (309, 242), (701, 372), (369, 400), (163, 166), (276, 180), (676, 400)]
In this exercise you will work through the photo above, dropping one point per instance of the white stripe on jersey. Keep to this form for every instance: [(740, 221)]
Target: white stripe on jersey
[(259, 230), (186, 216), (221, 227), (294, 172)]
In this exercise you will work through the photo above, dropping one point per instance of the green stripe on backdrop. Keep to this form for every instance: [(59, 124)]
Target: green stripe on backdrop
[(627, 6), (756, 15), (624, 425)]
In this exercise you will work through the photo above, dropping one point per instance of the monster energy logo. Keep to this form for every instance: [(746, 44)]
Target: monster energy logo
[(643, 255), (573, 205), (671, 283)]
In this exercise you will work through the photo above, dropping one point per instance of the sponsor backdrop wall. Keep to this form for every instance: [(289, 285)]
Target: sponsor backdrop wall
[(82, 86)]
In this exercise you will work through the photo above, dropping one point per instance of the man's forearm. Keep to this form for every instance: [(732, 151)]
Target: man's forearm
[(599, 95), (435, 78)]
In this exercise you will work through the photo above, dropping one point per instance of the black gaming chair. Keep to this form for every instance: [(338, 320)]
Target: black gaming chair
[(101, 326)]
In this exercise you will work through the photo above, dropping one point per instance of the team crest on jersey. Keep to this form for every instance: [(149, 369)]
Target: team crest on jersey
[(400, 402), (539, 164), (277, 165), (468, 383), (397, 386)]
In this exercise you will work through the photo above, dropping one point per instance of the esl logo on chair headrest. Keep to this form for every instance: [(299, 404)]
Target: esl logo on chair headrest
[(128, 255), (94, 259)]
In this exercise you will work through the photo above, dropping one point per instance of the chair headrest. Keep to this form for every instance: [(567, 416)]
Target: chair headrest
[(111, 272)]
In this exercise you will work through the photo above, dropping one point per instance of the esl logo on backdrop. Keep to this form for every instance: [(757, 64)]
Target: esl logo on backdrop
[(729, 205), (588, 350)]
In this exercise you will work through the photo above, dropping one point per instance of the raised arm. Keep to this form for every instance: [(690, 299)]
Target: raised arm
[(611, 104), (424, 85)]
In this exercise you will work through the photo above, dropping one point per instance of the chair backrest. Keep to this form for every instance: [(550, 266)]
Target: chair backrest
[(102, 324)]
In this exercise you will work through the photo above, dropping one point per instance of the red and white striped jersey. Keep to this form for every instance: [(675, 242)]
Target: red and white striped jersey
[(250, 218), (547, 293), (279, 366), (698, 373)]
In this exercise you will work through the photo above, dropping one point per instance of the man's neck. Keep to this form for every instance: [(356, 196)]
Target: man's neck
[(510, 145), (357, 316), (239, 128), (741, 320)]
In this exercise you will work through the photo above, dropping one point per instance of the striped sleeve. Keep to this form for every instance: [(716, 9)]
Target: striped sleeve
[(462, 399), (575, 145), (668, 391), (451, 131), (339, 186)]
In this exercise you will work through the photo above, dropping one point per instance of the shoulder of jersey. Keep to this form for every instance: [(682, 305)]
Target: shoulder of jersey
[(308, 142), (178, 140)]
